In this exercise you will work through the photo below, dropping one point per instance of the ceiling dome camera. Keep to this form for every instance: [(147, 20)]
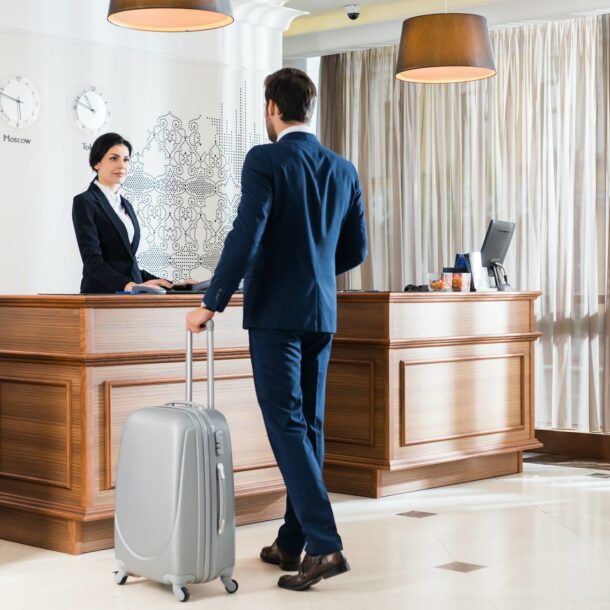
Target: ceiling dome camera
[(352, 11)]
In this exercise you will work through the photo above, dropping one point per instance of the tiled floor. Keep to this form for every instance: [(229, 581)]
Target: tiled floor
[(542, 537)]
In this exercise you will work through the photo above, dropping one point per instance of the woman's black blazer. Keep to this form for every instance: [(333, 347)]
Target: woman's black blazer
[(109, 260)]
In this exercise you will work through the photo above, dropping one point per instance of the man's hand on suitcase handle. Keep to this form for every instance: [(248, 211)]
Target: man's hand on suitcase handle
[(196, 319)]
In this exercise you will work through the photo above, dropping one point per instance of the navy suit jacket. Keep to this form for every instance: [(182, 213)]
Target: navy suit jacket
[(300, 223), (109, 260)]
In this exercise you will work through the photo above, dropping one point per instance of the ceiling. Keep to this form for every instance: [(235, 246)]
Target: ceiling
[(317, 7), (326, 29), (323, 6)]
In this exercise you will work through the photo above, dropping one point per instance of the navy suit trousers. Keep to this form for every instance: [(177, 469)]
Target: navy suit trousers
[(290, 381)]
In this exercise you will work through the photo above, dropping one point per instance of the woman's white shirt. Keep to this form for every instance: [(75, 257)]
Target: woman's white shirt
[(114, 199)]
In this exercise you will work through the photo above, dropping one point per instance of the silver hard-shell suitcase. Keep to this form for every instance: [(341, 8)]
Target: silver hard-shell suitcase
[(175, 510)]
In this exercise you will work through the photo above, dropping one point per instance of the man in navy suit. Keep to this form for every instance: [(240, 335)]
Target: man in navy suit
[(300, 223)]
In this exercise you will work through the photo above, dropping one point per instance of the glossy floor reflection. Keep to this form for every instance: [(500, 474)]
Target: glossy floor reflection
[(542, 537)]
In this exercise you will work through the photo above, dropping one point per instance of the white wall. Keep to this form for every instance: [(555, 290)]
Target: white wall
[(311, 66), (209, 85)]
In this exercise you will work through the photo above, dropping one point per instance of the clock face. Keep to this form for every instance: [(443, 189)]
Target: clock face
[(19, 101), (89, 110)]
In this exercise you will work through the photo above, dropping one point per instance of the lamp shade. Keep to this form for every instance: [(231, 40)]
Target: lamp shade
[(170, 15), (445, 48)]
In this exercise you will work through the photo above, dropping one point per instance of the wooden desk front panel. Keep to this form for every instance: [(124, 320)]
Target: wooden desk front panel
[(119, 390), (45, 330), (355, 427), (40, 432), (363, 318), (146, 329), (458, 317), (456, 400)]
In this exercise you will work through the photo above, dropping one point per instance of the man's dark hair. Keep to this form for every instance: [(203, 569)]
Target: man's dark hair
[(293, 92), (103, 144)]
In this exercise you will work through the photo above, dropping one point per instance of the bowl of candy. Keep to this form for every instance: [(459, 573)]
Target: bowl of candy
[(460, 282), (439, 282)]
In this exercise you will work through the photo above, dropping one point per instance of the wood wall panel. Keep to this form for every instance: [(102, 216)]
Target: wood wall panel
[(27, 330), (461, 397), (29, 528), (349, 323), (350, 401), (93, 535), (17, 370), (364, 411), (171, 373), (36, 431), (460, 318), (374, 483), (460, 444), (260, 507), (235, 397), (570, 444), (247, 482), (449, 473), (137, 331), (351, 480)]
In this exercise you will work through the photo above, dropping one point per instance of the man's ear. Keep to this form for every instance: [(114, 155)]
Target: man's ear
[(272, 109)]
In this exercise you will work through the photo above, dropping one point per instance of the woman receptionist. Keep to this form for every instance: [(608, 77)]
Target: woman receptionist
[(107, 230)]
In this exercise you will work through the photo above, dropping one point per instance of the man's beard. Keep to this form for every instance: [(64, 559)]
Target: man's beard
[(270, 130)]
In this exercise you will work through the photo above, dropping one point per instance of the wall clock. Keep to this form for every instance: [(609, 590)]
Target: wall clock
[(19, 101), (89, 109)]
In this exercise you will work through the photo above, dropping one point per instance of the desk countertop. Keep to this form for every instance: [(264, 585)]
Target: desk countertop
[(102, 301)]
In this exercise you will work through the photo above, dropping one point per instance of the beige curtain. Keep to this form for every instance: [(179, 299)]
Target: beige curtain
[(530, 146)]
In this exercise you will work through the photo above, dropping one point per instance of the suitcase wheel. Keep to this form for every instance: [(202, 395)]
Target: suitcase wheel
[(182, 593), (230, 585), (120, 577)]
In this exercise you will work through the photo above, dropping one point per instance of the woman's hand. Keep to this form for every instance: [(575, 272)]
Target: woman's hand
[(160, 282), (188, 282)]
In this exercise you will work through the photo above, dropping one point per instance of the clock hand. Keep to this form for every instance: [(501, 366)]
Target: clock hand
[(85, 106), (90, 104), (19, 102), (11, 98)]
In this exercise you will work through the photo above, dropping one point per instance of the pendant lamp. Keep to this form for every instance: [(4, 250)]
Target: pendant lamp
[(445, 48), (170, 15)]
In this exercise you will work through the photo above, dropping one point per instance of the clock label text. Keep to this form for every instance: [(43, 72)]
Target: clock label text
[(14, 140)]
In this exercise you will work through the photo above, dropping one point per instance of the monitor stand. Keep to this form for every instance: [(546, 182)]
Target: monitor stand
[(499, 274)]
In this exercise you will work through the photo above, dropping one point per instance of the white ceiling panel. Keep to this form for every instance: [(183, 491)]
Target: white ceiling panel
[(371, 32), (323, 6)]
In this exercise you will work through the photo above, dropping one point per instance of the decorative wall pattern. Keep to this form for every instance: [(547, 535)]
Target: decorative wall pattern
[(186, 188)]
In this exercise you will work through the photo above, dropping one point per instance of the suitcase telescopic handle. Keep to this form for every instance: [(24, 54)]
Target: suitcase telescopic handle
[(189, 364)]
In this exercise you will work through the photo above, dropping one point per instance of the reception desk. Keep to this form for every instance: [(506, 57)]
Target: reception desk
[(71, 369), (423, 390), (429, 389)]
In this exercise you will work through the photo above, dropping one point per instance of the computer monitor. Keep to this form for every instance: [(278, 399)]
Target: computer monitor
[(497, 239)]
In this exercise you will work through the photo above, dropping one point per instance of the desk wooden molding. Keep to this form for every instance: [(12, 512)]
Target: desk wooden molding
[(429, 389), (423, 390)]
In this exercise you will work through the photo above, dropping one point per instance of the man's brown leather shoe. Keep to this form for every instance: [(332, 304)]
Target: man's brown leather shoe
[(273, 554), (314, 569)]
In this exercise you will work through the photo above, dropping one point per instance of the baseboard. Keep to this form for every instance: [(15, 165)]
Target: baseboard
[(587, 445)]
